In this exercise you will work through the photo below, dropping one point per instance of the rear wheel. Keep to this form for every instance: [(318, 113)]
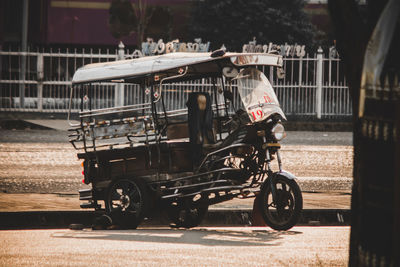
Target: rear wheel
[(127, 202), (284, 212), (187, 212)]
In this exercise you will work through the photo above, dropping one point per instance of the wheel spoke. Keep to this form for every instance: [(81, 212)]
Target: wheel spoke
[(135, 196), (135, 206), (283, 187)]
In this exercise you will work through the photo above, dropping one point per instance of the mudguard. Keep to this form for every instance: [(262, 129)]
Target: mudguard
[(286, 174)]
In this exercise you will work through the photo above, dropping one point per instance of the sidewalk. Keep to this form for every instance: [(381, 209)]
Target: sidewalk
[(70, 202), (27, 211)]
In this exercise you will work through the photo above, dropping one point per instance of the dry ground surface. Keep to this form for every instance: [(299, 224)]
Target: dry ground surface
[(54, 167), (39, 169), (202, 246)]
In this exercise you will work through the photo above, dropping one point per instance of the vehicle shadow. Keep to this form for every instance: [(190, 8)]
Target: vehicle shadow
[(250, 236)]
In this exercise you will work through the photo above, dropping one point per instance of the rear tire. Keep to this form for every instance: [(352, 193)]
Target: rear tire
[(285, 213), (187, 213), (127, 202)]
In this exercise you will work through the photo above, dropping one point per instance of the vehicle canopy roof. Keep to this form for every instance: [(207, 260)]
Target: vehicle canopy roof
[(195, 65)]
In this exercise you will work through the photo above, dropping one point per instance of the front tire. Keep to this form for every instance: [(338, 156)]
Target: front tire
[(283, 213)]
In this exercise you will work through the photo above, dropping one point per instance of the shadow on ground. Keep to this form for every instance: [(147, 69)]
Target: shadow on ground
[(206, 237)]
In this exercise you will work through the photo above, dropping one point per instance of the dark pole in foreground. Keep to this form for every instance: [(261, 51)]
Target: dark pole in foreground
[(375, 226)]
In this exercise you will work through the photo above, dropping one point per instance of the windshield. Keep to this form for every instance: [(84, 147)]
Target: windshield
[(257, 95)]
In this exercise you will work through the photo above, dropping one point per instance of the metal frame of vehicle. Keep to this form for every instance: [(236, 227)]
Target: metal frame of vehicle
[(139, 158)]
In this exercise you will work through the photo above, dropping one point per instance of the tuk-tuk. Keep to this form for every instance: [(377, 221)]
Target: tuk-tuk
[(192, 130)]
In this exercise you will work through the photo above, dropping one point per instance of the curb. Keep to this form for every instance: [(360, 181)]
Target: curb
[(220, 217)]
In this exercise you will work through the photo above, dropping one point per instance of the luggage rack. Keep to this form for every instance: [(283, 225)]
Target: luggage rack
[(122, 125), (99, 126)]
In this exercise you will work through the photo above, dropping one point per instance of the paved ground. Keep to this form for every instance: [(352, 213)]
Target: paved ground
[(53, 167), (39, 169), (235, 246)]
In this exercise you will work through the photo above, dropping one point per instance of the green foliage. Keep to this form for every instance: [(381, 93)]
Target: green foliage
[(122, 19), (235, 22)]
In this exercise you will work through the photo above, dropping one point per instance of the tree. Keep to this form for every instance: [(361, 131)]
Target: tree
[(139, 18), (375, 204), (143, 14), (155, 23), (235, 22), (122, 19)]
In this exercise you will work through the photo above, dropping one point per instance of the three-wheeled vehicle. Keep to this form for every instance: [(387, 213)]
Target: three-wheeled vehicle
[(192, 130)]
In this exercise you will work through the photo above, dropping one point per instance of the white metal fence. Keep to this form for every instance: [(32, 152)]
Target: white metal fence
[(41, 82)]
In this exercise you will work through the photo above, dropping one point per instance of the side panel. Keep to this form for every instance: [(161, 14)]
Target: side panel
[(140, 161)]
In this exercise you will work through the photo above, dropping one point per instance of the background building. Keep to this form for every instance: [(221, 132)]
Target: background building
[(85, 23)]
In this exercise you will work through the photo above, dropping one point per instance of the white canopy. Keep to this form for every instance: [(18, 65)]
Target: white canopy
[(139, 67)]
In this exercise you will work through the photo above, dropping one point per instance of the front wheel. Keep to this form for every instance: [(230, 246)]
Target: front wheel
[(283, 212)]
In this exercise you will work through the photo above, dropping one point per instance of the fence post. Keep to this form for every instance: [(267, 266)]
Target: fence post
[(318, 94), (22, 73), (40, 76), (119, 87)]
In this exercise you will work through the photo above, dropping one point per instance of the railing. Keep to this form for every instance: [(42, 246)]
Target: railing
[(312, 86)]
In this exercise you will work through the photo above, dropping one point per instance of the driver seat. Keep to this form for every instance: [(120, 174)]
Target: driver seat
[(200, 123)]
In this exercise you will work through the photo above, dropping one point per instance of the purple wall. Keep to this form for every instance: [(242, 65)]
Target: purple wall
[(86, 22)]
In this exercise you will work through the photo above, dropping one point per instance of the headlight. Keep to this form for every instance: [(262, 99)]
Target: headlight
[(278, 131)]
